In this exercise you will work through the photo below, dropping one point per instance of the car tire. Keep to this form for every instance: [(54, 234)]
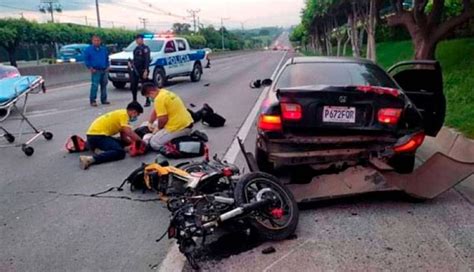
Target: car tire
[(119, 85), (403, 163), (263, 163), (159, 77), (197, 72)]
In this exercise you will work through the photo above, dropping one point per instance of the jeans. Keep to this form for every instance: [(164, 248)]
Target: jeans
[(99, 78), (111, 147)]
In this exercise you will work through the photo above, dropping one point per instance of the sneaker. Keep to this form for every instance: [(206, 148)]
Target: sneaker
[(98, 151), (86, 161), (94, 104), (106, 103)]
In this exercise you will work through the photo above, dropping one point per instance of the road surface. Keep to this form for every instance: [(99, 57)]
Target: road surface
[(46, 225)]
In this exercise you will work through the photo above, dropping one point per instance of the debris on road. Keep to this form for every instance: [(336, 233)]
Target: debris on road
[(268, 250)]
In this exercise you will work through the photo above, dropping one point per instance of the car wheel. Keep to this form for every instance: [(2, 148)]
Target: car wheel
[(119, 85), (403, 163), (262, 161), (159, 77), (196, 73)]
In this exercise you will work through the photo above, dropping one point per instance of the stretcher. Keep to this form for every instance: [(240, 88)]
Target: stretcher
[(14, 91)]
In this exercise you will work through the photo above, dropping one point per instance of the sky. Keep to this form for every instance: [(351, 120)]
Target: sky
[(161, 14)]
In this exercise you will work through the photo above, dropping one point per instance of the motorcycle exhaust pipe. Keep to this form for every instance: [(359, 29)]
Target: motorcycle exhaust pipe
[(238, 211)]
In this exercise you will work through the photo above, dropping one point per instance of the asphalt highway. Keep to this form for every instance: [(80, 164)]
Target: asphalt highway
[(48, 223), (45, 222)]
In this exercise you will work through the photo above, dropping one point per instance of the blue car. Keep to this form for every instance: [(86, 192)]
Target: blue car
[(72, 53)]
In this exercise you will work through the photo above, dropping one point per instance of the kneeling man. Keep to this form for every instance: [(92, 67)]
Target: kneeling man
[(173, 118), (100, 135)]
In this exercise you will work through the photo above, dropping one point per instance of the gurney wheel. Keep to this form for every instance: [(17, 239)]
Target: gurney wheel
[(28, 150), (10, 138), (48, 135)]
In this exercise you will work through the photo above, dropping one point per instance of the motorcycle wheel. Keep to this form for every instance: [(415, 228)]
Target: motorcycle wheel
[(276, 222)]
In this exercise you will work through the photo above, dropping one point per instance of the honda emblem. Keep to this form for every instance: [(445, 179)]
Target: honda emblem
[(343, 99)]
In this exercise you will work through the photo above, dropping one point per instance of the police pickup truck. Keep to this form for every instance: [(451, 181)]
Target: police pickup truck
[(170, 57)]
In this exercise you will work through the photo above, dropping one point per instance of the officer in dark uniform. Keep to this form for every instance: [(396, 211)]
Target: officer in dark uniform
[(139, 66)]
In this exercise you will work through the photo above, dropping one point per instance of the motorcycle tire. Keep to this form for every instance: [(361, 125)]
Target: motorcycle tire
[(274, 229)]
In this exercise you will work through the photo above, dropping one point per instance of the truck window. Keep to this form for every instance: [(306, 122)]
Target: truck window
[(170, 48), (181, 45)]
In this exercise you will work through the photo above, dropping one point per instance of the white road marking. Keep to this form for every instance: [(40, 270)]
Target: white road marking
[(244, 130), (55, 89), (174, 260)]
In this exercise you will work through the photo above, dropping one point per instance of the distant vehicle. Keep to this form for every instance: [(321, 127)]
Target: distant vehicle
[(72, 53), (170, 57), (339, 112)]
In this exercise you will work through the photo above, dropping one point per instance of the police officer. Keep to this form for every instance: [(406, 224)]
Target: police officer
[(139, 67)]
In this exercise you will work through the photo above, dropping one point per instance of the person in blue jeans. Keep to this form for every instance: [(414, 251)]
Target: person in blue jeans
[(96, 58), (100, 135)]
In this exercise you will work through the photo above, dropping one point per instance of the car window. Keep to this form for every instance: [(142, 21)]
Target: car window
[(154, 45), (181, 45), (334, 74), (170, 47)]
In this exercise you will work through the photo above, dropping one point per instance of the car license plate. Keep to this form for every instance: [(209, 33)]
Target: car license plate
[(122, 75), (332, 114)]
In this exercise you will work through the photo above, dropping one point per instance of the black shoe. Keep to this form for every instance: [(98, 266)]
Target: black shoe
[(147, 104), (106, 103)]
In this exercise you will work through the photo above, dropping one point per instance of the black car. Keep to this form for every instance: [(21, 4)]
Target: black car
[(327, 112)]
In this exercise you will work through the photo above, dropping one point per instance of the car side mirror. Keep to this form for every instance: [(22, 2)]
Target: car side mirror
[(255, 84)]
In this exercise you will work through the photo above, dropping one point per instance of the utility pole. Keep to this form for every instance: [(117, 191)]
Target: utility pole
[(50, 6), (98, 13), (193, 13), (143, 21), (222, 32), (21, 14), (87, 23)]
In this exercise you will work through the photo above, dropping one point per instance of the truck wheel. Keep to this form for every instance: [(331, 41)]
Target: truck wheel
[(403, 163), (197, 72), (159, 77), (119, 85)]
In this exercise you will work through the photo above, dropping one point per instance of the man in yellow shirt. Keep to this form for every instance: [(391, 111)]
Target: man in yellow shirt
[(173, 118), (99, 135)]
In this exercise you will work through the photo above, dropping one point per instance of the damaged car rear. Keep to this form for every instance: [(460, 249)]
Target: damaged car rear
[(338, 112)]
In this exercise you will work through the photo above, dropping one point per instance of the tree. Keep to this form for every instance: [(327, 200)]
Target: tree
[(427, 26), (12, 33), (181, 29)]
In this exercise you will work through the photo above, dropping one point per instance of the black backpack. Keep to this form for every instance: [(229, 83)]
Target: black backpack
[(208, 116)]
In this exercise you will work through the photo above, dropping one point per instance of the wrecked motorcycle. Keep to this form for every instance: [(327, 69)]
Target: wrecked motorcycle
[(206, 195)]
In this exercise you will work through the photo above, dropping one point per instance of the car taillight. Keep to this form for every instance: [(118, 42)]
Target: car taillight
[(378, 90), (389, 116), (291, 111), (411, 144), (269, 122)]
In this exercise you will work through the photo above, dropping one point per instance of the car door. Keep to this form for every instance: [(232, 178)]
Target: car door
[(183, 57), (422, 82), (171, 56)]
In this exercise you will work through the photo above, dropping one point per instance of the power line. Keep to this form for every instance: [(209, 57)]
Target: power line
[(97, 11), (193, 13), (143, 21), (222, 31), (17, 8)]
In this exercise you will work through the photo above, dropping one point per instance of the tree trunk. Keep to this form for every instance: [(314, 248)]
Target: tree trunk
[(339, 43), (425, 48), (348, 39), (11, 56), (361, 39), (371, 26), (354, 36)]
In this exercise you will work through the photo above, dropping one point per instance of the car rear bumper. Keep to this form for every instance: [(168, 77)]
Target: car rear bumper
[(312, 150)]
